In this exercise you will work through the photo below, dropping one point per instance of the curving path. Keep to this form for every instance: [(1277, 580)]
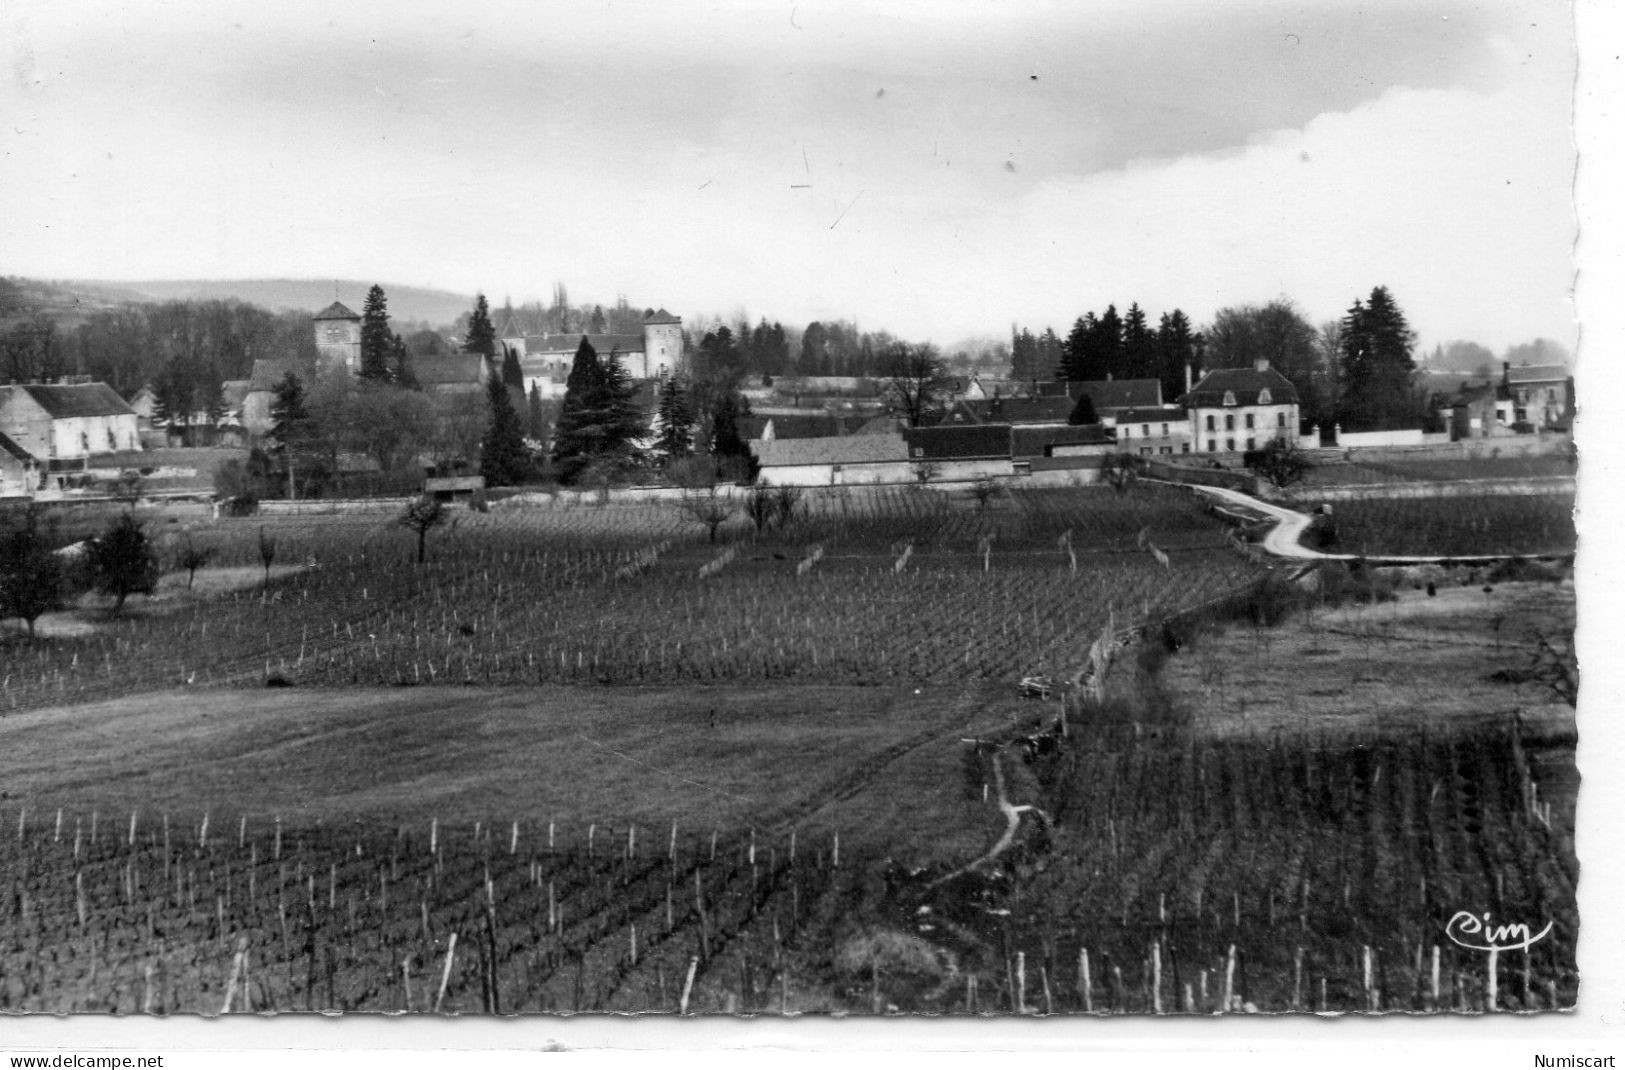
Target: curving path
[(1282, 540)]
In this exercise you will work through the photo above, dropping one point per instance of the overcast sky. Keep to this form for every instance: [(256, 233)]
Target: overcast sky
[(936, 170)]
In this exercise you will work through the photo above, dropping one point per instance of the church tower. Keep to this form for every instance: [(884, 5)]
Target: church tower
[(338, 338), (662, 344)]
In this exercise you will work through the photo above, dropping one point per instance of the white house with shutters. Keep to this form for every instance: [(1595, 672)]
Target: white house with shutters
[(1236, 409)]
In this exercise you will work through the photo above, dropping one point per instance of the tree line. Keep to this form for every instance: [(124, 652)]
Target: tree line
[(1358, 371)]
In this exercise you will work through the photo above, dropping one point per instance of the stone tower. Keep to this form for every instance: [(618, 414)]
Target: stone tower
[(338, 338), (662, 344)]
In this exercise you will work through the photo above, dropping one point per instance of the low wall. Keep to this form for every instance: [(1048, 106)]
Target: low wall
[(1357, 439), (1541, 445), (1457, 488), (315, 506), (1195, 475)]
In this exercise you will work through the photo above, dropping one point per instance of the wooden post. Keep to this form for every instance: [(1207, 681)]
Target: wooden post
[(1156, 977), (688, 985), (445, 975), (1085, 989)]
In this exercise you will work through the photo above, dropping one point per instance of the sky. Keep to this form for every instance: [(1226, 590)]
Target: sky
[(936, 169)]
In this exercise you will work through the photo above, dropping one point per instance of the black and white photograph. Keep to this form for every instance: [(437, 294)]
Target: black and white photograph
[(838, 513)]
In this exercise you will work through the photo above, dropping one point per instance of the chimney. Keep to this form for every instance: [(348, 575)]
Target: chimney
[(1262, 364), (1506, 373), (1187, 377)]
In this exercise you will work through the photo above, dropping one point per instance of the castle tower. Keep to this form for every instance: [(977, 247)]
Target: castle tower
[(338, 338), (662, 344)]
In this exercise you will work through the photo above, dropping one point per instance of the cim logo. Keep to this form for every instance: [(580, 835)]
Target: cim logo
[(1475, 932)]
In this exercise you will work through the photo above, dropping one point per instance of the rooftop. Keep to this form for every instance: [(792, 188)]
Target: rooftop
[(1244, 385), (66, 401), (842, 449), (335, 311)]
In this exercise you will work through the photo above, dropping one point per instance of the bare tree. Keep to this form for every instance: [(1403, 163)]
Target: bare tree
[(423, 514), (1118, 470), (985, 490), (917, 380), (267, 552), (785, 500), (1280, 461), (193, 557), (761, 506), (705, 506)]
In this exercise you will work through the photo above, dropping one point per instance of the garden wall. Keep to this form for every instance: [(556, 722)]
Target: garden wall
[(1193, 475), (1457, 488), (1541, 445)]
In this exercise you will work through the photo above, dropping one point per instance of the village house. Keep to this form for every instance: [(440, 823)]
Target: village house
[(1234, 409), (67, 421), (833, 460), (260, 393), (1542, 395), (19, 470), (959, 451), (453, 373), (1159, 430)]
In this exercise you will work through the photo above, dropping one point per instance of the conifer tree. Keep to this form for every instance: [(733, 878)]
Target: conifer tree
[(625, 423), (728, 443), (1176, 350), (377, 340), (1083, 412), (675, 420), (290, 424), (1139, 353), (513, 376), (401, 374), (482, 336), (580, 432), (503, 460), (1377, 367)]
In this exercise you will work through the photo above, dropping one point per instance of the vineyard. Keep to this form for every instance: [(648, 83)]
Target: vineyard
[(890, 587), (282, 794), (1480, 524), (1176, 876)]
